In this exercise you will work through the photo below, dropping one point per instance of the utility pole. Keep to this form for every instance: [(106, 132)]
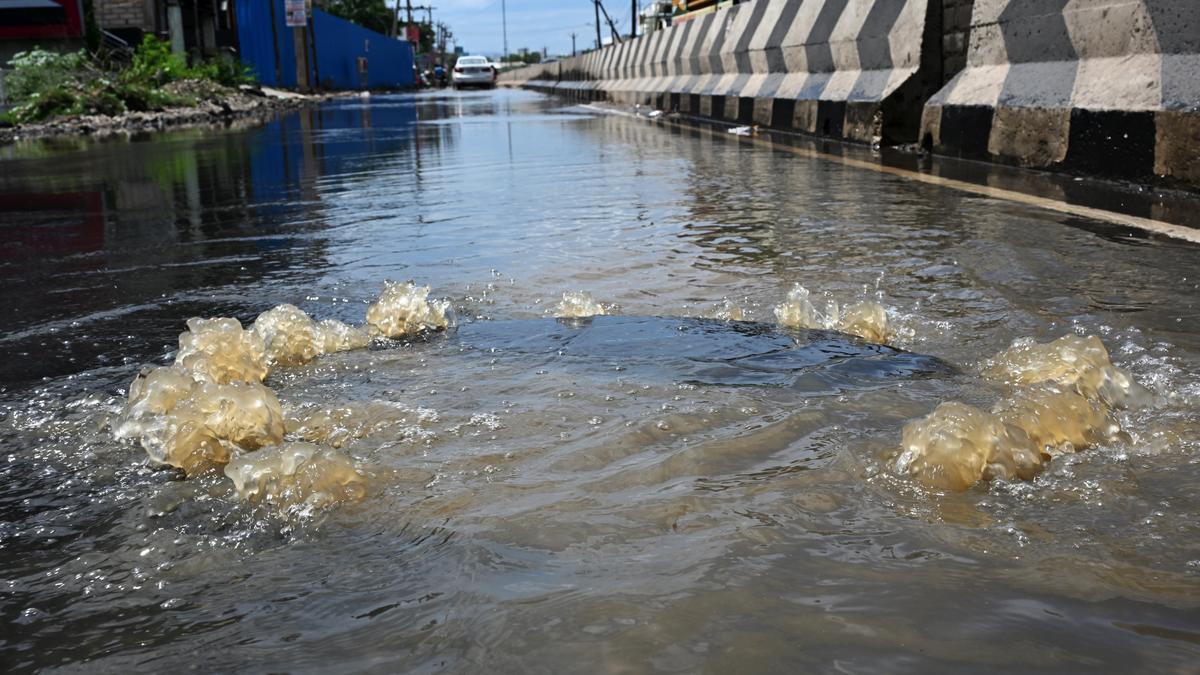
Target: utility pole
[(504, 30), (596, 5), (572, 44), (616, 35), (633, 18)]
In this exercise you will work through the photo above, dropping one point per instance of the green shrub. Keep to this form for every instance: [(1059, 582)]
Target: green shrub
[(225, 71), (38, 70), (154, 63), (141, 96), (43, 84)]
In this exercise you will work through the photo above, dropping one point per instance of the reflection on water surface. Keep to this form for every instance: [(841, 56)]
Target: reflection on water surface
[(681, 493)]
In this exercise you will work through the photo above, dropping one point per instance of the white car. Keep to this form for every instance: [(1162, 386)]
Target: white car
[(474, 71)]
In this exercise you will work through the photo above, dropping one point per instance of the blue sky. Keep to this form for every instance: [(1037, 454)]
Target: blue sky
[(531, 23)]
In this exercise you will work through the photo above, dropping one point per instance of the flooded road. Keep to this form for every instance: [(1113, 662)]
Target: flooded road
[(701, 478)]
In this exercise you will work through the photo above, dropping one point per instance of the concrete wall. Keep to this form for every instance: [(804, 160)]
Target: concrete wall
[(841, 68), (118, 14), (1108, 87), (956, 35), (1099, 86)]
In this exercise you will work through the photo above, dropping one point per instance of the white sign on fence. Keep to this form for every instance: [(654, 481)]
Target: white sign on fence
[(296, 12)]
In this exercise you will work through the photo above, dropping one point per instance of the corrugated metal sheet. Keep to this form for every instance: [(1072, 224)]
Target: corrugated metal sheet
[(340, 45), (265, 42), (348, 56)]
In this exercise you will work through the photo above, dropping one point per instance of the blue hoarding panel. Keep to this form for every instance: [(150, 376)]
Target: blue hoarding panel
[(267, 45), (340, 45)]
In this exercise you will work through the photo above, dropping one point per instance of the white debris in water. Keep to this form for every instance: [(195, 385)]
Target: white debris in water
[(405, 309), (578, 304)]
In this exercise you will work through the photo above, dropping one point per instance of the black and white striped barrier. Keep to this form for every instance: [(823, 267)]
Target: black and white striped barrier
[(822, 66), (1097, 86)]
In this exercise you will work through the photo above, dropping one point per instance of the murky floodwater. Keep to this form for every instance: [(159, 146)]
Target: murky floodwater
[(680, 484)]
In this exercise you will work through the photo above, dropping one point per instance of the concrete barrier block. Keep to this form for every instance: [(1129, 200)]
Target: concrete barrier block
[(1080, 85), (732, 110), (1177, 146), (825, 52), (804, 117), (763, 107), (1034, 137)]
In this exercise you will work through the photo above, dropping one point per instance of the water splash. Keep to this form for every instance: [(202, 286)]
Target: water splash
[(290, 337), (727, 310), (405, 309), (1072, 361), (221, 351), (1064, 398), (866, 319), (296, 474), (336, 426), (341, 337), (210, 409), (578, 305), (957, 445), (195, 425)]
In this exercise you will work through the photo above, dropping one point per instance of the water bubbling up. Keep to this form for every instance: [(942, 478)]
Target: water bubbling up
[(210, 409), (296, 474), (578, 305), (405, 309), (1064, 397), (866, 319)]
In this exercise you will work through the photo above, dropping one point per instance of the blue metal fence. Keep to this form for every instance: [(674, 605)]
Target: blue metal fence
[(347, 56)]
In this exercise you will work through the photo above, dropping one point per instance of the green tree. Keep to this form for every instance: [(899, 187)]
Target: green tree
[(377, 16), (372, 14)]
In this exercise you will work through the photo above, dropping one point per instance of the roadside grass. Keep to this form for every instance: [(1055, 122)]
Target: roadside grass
[(44, 84)]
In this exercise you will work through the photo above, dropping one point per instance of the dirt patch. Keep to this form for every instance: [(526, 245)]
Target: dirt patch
[(214, 105)]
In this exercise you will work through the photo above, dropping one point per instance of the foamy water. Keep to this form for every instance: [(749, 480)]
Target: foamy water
[(577, 305), (1064, 397), (209, 411), (865, 318)]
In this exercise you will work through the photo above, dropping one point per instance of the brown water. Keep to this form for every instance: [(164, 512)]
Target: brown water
[(654, 489)]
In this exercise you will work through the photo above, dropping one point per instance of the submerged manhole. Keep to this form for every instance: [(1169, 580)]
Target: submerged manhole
[(702, 351)]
